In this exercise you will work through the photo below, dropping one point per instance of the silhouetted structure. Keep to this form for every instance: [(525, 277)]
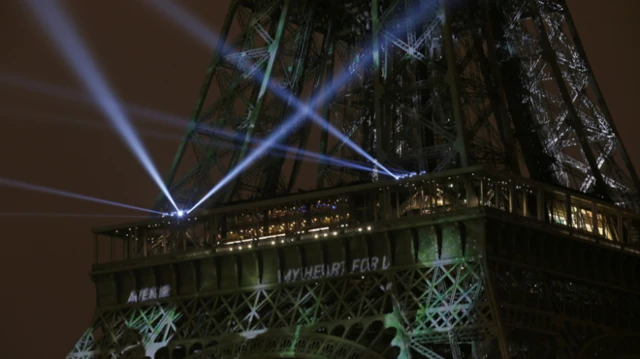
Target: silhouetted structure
[(516, 236)]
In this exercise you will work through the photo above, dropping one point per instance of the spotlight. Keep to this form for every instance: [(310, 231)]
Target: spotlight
[(59, 27), (70, 215)]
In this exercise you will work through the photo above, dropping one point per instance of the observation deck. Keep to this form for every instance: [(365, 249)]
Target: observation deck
[(348, 211)]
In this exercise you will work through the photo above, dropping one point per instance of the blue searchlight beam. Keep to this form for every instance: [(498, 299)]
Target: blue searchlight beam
[(209, 38), (7, 182), (282, 151), (284, 129), (62, 32), (280, 132)]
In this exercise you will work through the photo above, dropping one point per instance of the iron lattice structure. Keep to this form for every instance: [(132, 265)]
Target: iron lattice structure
[(517, 238)]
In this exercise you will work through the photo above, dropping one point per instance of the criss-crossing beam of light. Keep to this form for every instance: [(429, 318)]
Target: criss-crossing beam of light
[(59, 27), (288, 125), (148, 114), (209, 38), (274, 137), (7, 182), (281, 150)]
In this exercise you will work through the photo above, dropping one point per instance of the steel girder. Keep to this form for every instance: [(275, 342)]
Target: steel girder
[(485, 287), (432, 300), (430, 86), (341, 316), (560, 299)]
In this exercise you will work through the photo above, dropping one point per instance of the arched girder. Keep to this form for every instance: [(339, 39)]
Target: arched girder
[(291, 345)]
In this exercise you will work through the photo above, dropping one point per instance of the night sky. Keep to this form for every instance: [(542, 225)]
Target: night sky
[(47, 298)]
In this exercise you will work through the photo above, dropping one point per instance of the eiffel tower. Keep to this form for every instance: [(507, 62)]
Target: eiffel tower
[(512, 231)]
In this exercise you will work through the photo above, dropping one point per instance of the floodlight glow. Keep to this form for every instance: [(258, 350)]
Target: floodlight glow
[(150, 114), (209, 38), (284, 129), (43, 87), (29, 114), (283, 151), (62, 32), (258, 152), (56, 192), (189, 22), (174, 214), (298, 151), (278, 134)]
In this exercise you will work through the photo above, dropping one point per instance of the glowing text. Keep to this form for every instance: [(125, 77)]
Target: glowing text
[(360, 265), (149, 294)]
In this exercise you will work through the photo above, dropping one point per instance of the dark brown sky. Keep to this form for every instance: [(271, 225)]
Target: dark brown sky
[(46, 296)]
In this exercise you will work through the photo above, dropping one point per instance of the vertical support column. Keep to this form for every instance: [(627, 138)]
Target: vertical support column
[(495, 91), (620, 227), (136, 247), (506, 72), (512, 195), (540, 203), (573, 119), (125, 243), (470, 191), (324, 112), (297, 227), (214, 226), (204, 89), (266, 222), (378, 86), (453, 80), (256, 109), (496, 193), (384, 199), (224, 226), (482, 191), (301, 43), (594, 219), (491, 295), (165, 242), (567, 205), (525, 203)]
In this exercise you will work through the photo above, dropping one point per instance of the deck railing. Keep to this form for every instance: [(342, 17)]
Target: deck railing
[(345, 210)]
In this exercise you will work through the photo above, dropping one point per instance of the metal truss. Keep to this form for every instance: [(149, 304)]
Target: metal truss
[(376, 315), (547, 315), (571, 119), (235, 96), (491, 102), (533, 291), (429, 87), (576, 302), (338, 212)]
